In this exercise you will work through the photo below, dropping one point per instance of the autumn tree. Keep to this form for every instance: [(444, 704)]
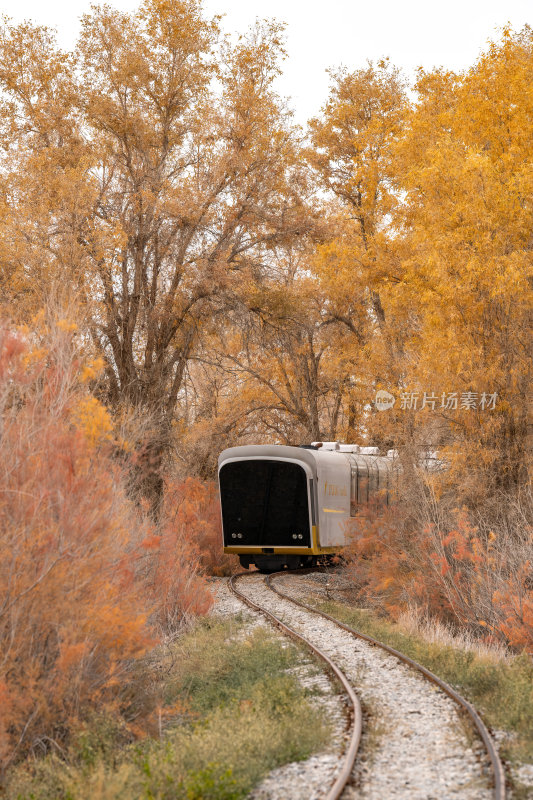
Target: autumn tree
[(467, 157), (168, 165), (463, 239), (353, 152), (43, 182), (287, 378)]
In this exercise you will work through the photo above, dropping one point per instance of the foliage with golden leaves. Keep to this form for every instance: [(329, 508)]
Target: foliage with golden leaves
[(136, 183)]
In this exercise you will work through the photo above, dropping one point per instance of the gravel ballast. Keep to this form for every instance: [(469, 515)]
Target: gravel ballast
[(301, 780), (414, 744)]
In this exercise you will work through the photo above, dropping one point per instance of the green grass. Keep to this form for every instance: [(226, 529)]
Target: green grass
[(500, 689), (237, 713)]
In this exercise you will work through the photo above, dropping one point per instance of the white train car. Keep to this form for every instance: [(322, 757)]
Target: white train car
[(290, 506)]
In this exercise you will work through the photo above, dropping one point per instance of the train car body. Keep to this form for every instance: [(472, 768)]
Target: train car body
[(290, 506)]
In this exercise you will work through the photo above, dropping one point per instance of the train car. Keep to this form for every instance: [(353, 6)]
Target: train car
[(290, 506)]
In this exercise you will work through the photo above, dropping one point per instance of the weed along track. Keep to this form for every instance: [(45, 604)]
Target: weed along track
[(420, 741)]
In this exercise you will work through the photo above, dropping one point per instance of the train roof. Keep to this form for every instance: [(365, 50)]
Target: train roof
[(310, 456), (269, 451)]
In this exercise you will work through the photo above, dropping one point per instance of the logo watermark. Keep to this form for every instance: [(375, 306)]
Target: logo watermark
[(384, 400), (444, 401)]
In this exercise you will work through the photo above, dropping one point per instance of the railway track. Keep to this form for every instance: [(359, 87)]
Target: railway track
[(356, 713), (262, 598)]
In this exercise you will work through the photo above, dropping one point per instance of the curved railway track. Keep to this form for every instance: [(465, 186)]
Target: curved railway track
[(344, 774), (357, 717)]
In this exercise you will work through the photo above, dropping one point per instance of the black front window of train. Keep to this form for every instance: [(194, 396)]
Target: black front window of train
[(264, 503)]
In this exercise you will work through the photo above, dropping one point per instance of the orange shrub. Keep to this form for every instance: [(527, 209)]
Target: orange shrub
[(80, 579), (387, 559), (472, 578), (516, 605), (174, 557), (192, 513)]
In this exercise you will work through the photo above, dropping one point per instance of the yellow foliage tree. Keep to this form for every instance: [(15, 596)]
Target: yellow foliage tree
[(354, 154), (467, 161), (144, 172)]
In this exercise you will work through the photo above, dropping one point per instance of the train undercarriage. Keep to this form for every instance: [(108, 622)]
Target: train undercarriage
[(277, 562)]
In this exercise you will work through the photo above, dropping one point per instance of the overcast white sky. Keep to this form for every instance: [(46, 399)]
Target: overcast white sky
[(333, 32)]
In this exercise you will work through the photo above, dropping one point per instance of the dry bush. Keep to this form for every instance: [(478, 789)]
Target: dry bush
[(472, 570), (387, 560), (192, 513), (434, 632), (81, 571)]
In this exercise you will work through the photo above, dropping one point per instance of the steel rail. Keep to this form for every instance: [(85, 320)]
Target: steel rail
[(357, 718), (496, 764)]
